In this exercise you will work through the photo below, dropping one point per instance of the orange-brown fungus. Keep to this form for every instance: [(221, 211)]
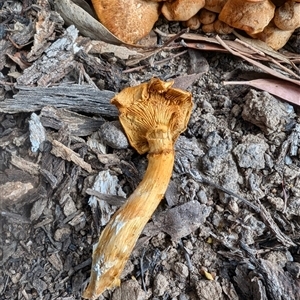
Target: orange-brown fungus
[(153, 115)]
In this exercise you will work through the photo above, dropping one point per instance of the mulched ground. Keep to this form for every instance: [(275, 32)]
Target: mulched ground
[(228, 227)]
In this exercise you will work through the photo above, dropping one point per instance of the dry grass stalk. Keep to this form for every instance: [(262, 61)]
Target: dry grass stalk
[(153, 115)]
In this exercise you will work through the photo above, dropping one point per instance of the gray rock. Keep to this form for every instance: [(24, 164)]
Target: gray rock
[(250, 153), (113, 135), (181, 269), (266, 112), (202, 197)]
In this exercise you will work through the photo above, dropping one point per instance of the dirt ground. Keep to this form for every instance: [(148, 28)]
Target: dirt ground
[(228, 227)]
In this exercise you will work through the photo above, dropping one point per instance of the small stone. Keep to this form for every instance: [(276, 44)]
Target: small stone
[(113, 135), (62, 234), (202, 197), (207, 107), (15, 278), (183, 297), (277, 202), (233, 206), (209, 289), (40, 285), (181, 269), (129, 289), (69, 206), (55, 261), (160, 285), (38, 208), (278, 257)]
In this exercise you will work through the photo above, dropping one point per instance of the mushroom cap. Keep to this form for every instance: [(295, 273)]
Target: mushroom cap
[(129, 20), (153, 106), (222, 28), (192, 23), (181, 10), (250, 16), (287, 16), (207, 16), (214, 5), (273, 36)]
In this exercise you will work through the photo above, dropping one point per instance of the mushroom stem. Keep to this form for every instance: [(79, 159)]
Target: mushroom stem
[(121, 233), (153, 115)]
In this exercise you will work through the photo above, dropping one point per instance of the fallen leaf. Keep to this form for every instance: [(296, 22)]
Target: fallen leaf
[(280, 88), (256, 63), (262, 46), (84, 22), (185, 81)]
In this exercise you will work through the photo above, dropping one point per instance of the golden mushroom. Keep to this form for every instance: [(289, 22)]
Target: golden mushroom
[(273, 36), (192, 23), (181, 10), (129, 20), (217, 27), (153, 115), (251, 16), (214, 5), (206, 16), (287, 16)]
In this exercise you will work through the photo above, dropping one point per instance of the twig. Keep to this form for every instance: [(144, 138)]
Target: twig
[(154, 63), (142, 270), (110, 199), (268, 220), (187, 258), (200, 178)]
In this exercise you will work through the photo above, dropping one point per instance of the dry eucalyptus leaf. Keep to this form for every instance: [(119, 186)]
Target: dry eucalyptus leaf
[(280, 88), (268, 70), (85, 23), (262, 46)]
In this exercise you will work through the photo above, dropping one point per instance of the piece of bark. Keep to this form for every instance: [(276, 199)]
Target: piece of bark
[(12, 191), (278, 283), (57, 61), (7, 251), (6, 48), (60, 150), (107, 184), (25, 165), (37, 208), (22, 34), (110, 199), (14, 174), (99, 68), (77, 124), (79, 98), (48, 23), (33, 196), (37, 132)]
